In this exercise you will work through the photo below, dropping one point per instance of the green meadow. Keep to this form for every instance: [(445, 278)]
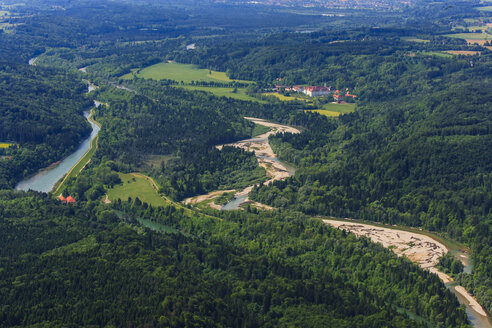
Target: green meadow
[(136, 186), (340, 108), (324, 112), (180, 72), (223, 92), (436, 54), (334, 109), (470, 36), (5, 144)]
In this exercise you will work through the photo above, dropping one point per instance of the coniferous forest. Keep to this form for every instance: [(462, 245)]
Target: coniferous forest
[(413, 150)]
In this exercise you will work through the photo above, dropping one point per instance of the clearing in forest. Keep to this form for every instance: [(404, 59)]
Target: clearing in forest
[(464, 52), (181, 72), (479, 38), (414, 39), (240, 93), (135, 185), (5, 144), (335, 109)]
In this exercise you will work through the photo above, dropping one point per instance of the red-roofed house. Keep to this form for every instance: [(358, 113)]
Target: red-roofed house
[(348, 95), (338, 96), (70, 200)]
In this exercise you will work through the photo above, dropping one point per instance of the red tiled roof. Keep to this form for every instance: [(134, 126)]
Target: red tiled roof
[(70, 199)]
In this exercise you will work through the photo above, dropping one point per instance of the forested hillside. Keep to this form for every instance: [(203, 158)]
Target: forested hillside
[(414, 151), (239, 270), (41, 112)]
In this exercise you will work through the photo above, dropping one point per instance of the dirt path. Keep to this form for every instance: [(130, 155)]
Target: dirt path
[(419, 248)]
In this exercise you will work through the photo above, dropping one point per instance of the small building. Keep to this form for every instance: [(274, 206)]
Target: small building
[(348, 95), (62, 199), (70, 200), (338, 96)]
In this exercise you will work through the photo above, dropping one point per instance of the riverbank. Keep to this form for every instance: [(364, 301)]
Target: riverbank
[(84, 160), (266, 158), (421, 249)]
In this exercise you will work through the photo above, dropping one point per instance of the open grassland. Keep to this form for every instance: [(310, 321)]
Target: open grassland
[(435, 54), (5, 144), (180, 72), (324, 112), (478, 38), (413, 39), (470, 36), (134, 186), (464, 52), (282, 97), (223, 92), (340, 108)]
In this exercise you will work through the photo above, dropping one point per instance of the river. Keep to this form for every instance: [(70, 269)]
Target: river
[(425, 250), (267, 159), (47, 178)]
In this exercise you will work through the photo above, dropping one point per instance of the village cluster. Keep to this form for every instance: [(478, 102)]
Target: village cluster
[(318, 91)]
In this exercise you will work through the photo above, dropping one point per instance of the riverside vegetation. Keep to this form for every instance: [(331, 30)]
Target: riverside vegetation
[(414, 152)]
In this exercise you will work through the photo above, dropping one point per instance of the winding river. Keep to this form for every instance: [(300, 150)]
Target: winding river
[(424, 249), (47, 178), (276, 169)]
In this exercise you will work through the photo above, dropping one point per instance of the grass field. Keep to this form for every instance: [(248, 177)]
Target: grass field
[(470, 36), (282, 97), (180, 72), (5, 144), (136, 186), (435, 54), (325, 112), (413, 39), (339, 108), (223, 92)]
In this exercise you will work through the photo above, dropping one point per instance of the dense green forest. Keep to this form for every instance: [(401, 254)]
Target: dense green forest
[(41, 113), (100, 267), (416, 152)]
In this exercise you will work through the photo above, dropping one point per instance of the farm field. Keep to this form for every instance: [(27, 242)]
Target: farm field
[(180, 72), (136, 186), (464, 52)]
